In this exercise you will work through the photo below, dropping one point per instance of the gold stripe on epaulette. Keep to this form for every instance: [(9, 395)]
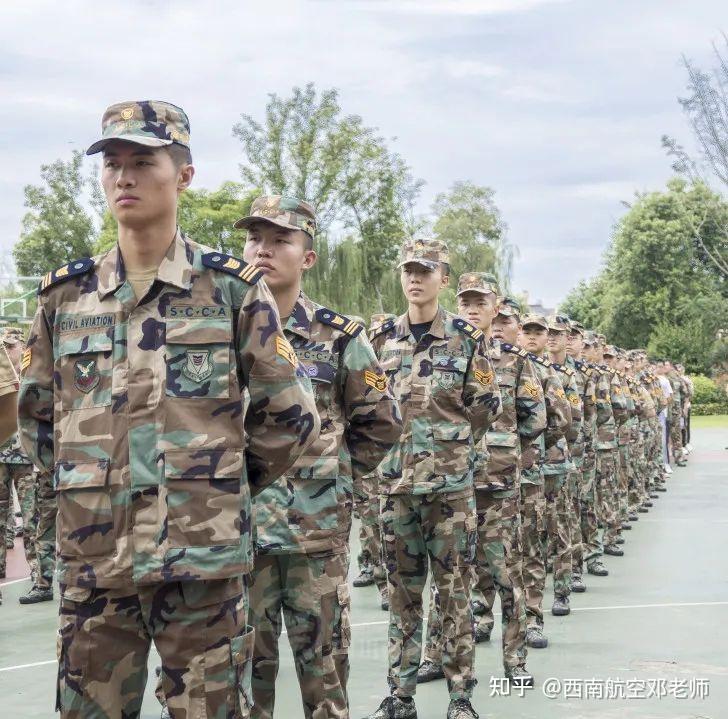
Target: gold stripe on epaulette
[(25, 359), (248, 273), (349, 329)]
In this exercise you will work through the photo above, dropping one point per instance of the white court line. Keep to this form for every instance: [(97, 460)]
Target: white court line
[(497, 614), (14, 581)]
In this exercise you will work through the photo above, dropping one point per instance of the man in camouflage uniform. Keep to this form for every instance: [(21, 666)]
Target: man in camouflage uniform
[(8, 405), (581, 478), (675, 414), (366, 507), (542, 496), (558, 496), (301, 522), (440, 372), (131, 398), (496, 480)]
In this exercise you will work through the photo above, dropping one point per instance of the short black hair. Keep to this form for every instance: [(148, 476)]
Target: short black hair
[(180, 154), (445, 268)]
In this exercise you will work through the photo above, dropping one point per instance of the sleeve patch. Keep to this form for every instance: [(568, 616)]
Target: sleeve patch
[(233, 266), (72, 269), (284, 349), (334, 319), (25, 359), (377, 381), (485, 378), (531, 389)]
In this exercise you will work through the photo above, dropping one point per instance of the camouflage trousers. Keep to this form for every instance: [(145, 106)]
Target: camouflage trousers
[(22, 476), (655, 456), (605, 491), (591, 543), (575, 481), (45, 537), (637, 472), (533, 527), (675, 435), (441, 528), (366, 505), (558, 531), (497, 566), (624, 458), (311, 593), (198, 627)]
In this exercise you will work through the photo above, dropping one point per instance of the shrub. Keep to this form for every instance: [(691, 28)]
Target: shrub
[(706, 391), (698, 410)]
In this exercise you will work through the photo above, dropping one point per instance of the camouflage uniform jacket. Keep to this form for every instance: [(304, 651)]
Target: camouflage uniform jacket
[(677, 389), (136, 409), (553, 444), (12, 453), (523, 420), (624, 406), (309, 509), (606, 426), (647, 384), (445, 384), (586, 388)]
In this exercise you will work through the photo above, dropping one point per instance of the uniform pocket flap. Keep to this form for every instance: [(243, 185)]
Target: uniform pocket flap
[(501, 439), (242, 647), (199, 332), (82, 344), (450, 364), (203, 464), (451, 432), (81, 475)]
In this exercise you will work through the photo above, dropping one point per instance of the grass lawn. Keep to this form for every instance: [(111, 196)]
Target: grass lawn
[(710, 420)]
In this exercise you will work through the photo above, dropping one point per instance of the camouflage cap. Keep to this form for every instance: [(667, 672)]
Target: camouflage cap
[(538, 320), (559, 323), (482, 282), (610, 351), (281, 210), (509, 307), (380, 318), (602, 339), (428, 253), (577, 327), (590, 338), (152, 123)]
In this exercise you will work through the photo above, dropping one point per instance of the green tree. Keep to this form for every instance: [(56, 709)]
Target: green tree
[(467, 219), (308, 148), (57, 227), (207, 216)]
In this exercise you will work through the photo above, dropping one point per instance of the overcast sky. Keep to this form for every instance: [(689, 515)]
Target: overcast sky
[(559, 105)]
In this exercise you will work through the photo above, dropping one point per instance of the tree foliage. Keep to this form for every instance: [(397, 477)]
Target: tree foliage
[(58, 227), (654, 291)]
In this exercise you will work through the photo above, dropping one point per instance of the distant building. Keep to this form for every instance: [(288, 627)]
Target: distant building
[(537, 307)]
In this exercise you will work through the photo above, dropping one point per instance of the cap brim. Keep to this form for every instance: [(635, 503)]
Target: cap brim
[(429, 264), (99, 145), (475, 289), (244, 223), (535, 324)]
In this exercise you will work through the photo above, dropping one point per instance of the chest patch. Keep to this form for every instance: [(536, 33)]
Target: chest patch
[(85, 375), (198, 366)]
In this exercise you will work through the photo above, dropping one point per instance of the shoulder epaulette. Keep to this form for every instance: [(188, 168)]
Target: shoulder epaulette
[(334, 319), (233, 266), (563, 368), (514, 349), (72, 269), (381, 329), (467, 328), (582, 367), (541, 360)]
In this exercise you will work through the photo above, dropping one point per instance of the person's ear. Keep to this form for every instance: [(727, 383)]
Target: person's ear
[(309, 259), (184, 180)]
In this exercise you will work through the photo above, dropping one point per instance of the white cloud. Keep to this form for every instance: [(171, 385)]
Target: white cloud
[(458, 7)]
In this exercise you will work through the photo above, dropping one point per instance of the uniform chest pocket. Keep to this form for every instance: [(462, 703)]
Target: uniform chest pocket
[(197, 356), (448, 374), (322, 376), (85, 365)]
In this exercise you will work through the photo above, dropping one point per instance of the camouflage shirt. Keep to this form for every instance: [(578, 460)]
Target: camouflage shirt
[(606, 426), (586, 387), (309, 509), (136, 408), (448, 396), (12, 453), (555, 459), (523, 420)]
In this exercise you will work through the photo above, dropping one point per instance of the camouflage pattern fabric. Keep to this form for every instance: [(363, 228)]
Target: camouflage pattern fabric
[(45, 537), (198, 627), (448, 396), (141, 425), (310, 591), (27, 488), (8, 385), (308, 509), (439, 527), (288, 212), (366, 504), (20, 475), (557, 540), (533, 529)]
